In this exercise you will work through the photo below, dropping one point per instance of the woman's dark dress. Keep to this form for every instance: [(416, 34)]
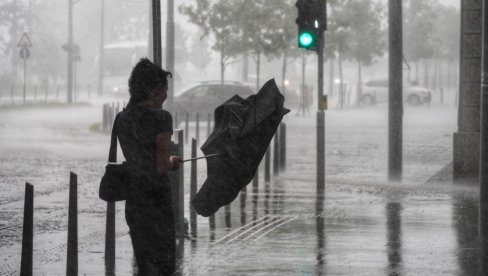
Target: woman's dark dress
[(150, 218)]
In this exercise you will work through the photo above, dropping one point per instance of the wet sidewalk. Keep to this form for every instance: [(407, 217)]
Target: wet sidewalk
[(360, 224)]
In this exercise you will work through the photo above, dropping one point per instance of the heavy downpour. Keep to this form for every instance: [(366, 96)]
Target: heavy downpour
[(234, 137)]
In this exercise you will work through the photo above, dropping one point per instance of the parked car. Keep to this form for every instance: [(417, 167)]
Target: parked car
[(376, 91), (204, 97)]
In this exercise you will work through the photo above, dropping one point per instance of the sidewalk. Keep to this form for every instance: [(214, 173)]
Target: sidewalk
[(361, 226)]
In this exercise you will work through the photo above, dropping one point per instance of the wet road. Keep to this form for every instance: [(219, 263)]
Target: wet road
[(352, 230), (360, 225)]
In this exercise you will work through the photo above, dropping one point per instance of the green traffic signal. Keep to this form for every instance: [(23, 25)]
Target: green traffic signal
[(305, 39)]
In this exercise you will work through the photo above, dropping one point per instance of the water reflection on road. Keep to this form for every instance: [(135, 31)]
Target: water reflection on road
[(284, 228)]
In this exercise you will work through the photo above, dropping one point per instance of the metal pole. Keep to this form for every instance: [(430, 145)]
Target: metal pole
[(25, 76), (267, 165), (181, 190), (193, 187), (276, 153), (395, 107), (282, 147), (69, 82), (110, 239), (27, 231), (101, 55), (320, 118), (483, 211), (186, 126), (72, 256), (197, 128), (156, 26), (170, 51)]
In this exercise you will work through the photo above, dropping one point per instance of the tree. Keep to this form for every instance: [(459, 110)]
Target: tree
[(419, 44), (200, 55), (281, 20), (337, 38), (12, 15), (367, 34), (217, 19), (446, 38)]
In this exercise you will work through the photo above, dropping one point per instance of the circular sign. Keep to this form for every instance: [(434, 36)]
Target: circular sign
[(24, 53)]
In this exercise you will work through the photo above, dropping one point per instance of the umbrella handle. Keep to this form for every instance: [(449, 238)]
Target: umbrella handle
[(201, 157)]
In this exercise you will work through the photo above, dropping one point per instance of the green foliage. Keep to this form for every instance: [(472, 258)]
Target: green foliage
[(217, 20), (446, 28), (200, 56), (355, 30), (129, 21), (419, 40), (367, 38)]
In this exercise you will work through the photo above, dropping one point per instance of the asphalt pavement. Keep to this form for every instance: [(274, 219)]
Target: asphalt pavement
[(360, 224)]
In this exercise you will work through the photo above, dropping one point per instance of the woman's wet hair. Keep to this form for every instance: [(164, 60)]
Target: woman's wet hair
[(144, 79)]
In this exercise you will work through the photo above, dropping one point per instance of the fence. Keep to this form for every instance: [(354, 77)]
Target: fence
[(177, 179)]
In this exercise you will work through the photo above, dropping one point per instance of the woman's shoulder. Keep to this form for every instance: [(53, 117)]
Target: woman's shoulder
[(159, 113)]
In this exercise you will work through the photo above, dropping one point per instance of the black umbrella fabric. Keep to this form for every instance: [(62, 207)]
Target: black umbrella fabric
[(243, 131)]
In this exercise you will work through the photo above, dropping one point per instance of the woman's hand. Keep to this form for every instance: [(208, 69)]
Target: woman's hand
[(175, 162)]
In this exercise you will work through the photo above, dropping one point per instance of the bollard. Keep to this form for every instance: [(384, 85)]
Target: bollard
[(174, 180), (110, 239), (72, 257), (104, 117), (175, 120), (112, 114), (181, 188), (267, 165), (197, 128), (227, 216), (276, 154), (211, 221), (282, 147), (186, 127), (27, 231), (193, 187), (46, 91), (255, 181), (209, 121), (243, 205)]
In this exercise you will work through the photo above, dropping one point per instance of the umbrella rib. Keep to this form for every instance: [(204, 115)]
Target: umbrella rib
[(201, 157)]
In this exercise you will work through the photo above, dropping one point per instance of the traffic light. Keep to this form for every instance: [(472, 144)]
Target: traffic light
[(311, 22)]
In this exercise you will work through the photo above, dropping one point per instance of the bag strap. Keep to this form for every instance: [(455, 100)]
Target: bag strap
[(112, 154)]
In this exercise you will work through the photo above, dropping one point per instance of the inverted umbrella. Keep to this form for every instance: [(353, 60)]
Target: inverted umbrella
[(242, 133)]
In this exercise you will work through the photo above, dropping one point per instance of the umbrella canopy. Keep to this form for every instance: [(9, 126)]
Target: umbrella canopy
[(243, 131)]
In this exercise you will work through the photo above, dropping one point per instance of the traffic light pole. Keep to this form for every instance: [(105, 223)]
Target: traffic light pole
[(483, 179), (320, 118), (395, 101)]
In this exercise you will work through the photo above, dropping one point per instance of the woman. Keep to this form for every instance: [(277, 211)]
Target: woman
[(144, 130)]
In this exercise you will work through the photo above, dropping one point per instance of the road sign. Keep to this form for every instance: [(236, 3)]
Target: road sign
[(24, 53), (24, 41)]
